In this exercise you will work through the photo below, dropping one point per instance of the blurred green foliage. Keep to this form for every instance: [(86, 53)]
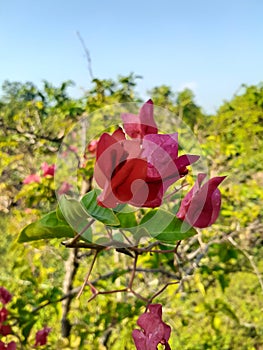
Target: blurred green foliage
[(220, 303)]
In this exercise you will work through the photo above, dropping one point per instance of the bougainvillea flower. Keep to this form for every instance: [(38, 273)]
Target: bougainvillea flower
[(64, 188), (117, 170), (138, 171), (164, 165), (5, 329), (73, 149), (92, 146), (41, 336), (9, 346), (201, 206), (5, 296), (154, 330), (137, 126), (48, 170), (31, 178), (3, 314)]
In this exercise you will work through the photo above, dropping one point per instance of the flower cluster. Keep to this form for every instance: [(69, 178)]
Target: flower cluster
[(5, 329), (47, 171), (154, 330), (138, 170), (136, 165), (41, 336)]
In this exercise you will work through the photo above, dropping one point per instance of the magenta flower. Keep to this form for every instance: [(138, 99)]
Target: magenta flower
[(31, 178), (201, 206), (73, 149), (92, 146), (154, 330), (117, 169), (3, 315), (5, 296), (5, 329), (137, 126), (48, 170), (41, 336), (138, 171), (164, 165), (9, 346), (64, 188)]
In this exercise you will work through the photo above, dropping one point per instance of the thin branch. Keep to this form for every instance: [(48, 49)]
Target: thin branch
[(133, 271), (28, 134), (250, 259), (168, 196), (158, 251), (88, 274), (160, 291), (78, 236), (87, 54)]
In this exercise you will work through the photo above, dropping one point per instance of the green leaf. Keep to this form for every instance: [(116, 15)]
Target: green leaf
[(27, 328), (46, 228), (104, 215), (165, 227), (127, 220), (73, 211), (60, 215)]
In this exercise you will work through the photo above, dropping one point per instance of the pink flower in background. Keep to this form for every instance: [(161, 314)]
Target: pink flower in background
[(3, 315), (92, 146), (48, 170), (64, 188), (73, 149), (154, 330), (5, 296), (5, 329), (201, 206), (31, 178), (41, 336), (9, 346)]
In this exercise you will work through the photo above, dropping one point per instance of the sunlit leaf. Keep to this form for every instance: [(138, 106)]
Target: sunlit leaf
[(104, 215), (165, 227)]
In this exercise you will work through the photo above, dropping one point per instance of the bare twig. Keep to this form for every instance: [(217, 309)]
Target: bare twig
[(78, 236), (160, 291), (87, 54), (250, 259), (88, 274)]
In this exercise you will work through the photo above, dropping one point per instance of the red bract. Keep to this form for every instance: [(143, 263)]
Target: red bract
[(92, 146), (5, 329), (137, 126), (154, 330), (41, 336), (31, 178), (164, 165), (201, 206), (3, 315), (9, 346), (140, 170), (117, 168), (5, 296), (48, 170)]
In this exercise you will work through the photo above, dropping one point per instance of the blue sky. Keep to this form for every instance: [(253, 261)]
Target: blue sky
[(210, 46)]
